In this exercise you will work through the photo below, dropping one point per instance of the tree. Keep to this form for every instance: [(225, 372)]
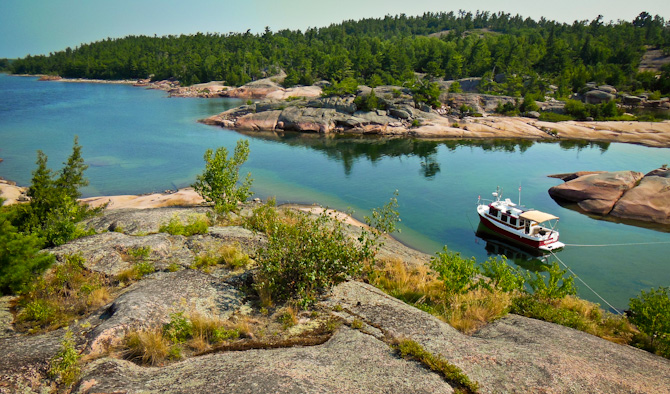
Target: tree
[(53, 211), (650, 312), (218, 184)]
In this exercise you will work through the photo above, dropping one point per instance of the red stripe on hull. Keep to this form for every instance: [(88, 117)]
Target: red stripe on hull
[(509, 235)]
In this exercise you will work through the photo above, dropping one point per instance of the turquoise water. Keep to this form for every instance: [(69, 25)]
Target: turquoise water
[(138, 141)]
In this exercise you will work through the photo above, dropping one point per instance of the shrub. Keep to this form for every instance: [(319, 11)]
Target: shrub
[(550, 288), (528, 104), (502, 275), (146, 347), (229, 255), (369, 102), (68, 292), (554, 117), (218, 184), (456, 273), (264, 217), (455, 87), (305, 255), (650, 312), (179, 329), (20, 257)]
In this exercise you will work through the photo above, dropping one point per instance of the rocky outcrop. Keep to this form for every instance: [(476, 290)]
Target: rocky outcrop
[(622, 194), (596, 193), (514, 354), (648, 201)]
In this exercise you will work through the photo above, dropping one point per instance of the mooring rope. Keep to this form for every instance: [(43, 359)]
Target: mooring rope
[(585, 284), (627, 244)]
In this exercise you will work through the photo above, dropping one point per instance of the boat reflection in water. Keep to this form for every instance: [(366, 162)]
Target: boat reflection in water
[(529, 258)]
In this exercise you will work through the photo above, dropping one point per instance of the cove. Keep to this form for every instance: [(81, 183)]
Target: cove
[(138, 141)]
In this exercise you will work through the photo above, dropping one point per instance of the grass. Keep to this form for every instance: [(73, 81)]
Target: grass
[(141, 266), (227, 255), (196, 224), (69, 291), (471, 310), (411, 350)]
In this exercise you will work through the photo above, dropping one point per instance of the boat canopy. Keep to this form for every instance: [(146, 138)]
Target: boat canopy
[(537, 216)]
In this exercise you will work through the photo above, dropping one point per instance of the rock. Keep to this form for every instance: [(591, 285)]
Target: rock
[(266, 120), (573, 175), (608, 89), (598, 96), (631, 100), (144, 221), (649, 201), (596, 193), (149, 303), (532, 114), (319, 120), (513, 354), (340, 104), (400, 113), (350, 362)]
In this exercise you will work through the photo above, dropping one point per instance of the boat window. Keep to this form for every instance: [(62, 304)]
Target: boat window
[(493, 211), (512, 221), (504, 218)]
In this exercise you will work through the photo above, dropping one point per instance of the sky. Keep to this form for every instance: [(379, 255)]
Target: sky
[(42, 26)]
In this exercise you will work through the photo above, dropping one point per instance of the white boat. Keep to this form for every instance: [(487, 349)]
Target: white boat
[(529, 227)]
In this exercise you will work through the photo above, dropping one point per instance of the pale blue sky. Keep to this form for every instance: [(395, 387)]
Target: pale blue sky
[(43, 26)]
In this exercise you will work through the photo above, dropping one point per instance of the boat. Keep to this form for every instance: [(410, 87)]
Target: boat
[(528, 227)]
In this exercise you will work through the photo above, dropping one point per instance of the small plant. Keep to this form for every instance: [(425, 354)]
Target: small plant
[(357, 324), (455, 125), (415, 123), (228, 255), (173, 267), (412, 350), (179, 329), (288, 318), (146, 347), (263, 218), (141, 265), (64, 366)]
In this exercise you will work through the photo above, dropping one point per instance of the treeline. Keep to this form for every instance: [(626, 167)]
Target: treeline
[(389, 50)]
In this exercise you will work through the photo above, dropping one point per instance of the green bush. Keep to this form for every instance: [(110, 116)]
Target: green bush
[(263, 217), (548, 286), (305, 255), (20, 257), (502, 275), (650, 312), (369, 102), (179, 329), (554, 117), (456, 272), (218, 184)]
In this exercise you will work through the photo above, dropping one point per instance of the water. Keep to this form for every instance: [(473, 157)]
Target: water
[(138, 141)]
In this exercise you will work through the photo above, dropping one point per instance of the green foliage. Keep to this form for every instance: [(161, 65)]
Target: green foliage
[(263, 217), (346, 86), (221, 334), (384, 220), (67, 292), (508, 108), (53, 211), (426, 92), (412, 350), (456, 272), (548, 287), (528, 104), (602, 111), (179, 329), (554, 117), (455, 87), (369, 102), (64, 366), (20, 257), (650, 312), (218, 184), (305, 255), (502, 275), (195, 225)]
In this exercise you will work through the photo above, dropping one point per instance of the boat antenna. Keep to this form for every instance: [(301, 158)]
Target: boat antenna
[(519, 194)]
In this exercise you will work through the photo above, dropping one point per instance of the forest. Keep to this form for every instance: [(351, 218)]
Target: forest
[(530, 54)]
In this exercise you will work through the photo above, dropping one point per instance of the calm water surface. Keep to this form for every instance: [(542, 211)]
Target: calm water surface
[(138, 141)]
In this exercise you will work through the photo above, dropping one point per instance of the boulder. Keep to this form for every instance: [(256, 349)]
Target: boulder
[(598, 96), (627, 99), (266, 120), (341, 104), (608, 89), (150, 302), (648, 201), (319, 120), (142, 221), (596, 193)]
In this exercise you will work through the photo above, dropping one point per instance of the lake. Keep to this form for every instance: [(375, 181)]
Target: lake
[(138, 141)]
